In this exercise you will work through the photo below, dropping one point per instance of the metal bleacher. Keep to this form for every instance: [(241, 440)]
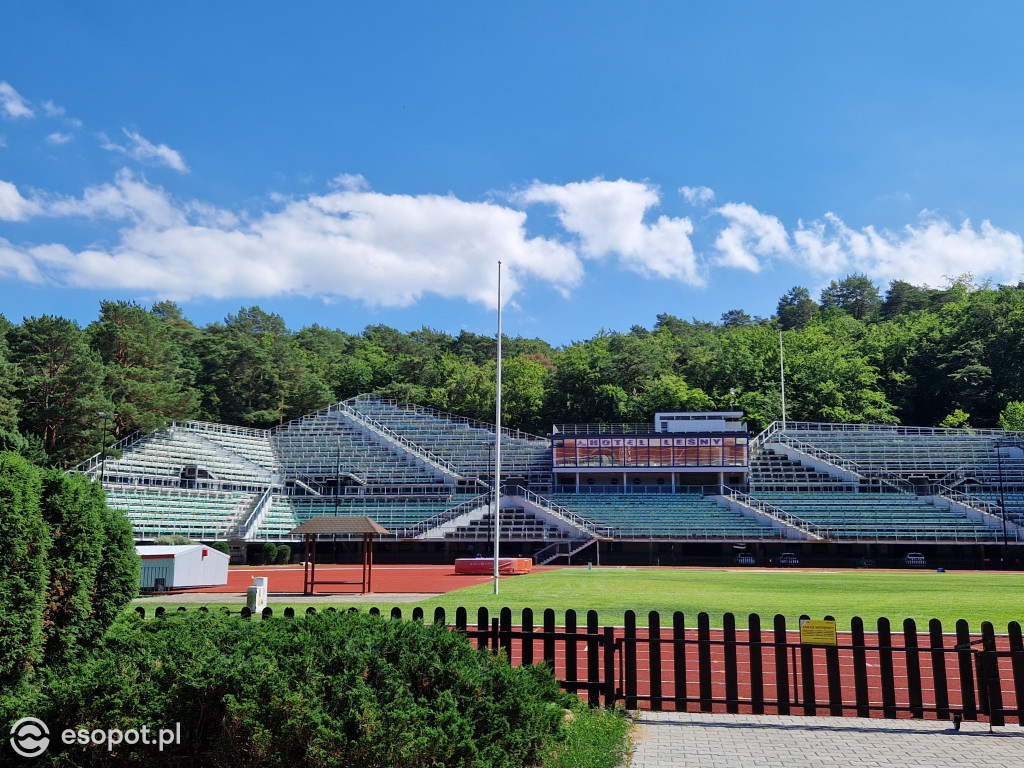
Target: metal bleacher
[(425, 473), (665, 516), (884, 482)]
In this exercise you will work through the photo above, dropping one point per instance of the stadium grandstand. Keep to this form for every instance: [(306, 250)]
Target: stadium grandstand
[(687, 488)]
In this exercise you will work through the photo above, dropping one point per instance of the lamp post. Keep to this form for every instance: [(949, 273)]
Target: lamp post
[(103, 444), (337, 482)]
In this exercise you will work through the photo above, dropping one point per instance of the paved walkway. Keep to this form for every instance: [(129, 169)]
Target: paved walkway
[(664, 739)]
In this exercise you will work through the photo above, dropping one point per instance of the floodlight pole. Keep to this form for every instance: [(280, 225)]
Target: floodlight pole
[(782, 378), (497, 444)]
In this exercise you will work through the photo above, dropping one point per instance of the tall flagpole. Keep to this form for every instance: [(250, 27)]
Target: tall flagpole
[(782, 376), (497, 445)]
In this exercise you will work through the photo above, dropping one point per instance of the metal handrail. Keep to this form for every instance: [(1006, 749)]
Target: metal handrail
[(450, 514), (567, 515), (385, 431), (772, 511), (841, 462), (255, 516), (515, 434), (97, 458)]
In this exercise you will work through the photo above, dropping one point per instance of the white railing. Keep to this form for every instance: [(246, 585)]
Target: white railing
[(987, 508), (252, 520), (841, 462), (439, 463), (567, 515), (515, 434), (96, 459), (450, 514), (772, 511)]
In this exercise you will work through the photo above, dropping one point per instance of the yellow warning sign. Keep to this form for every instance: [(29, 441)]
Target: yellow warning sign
[(818, 633)]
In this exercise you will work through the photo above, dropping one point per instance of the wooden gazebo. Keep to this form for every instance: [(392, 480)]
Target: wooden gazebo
[(338, 526)]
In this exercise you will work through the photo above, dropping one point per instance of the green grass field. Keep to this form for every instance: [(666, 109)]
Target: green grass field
[(921, 595)]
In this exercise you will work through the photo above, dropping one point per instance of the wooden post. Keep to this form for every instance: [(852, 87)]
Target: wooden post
[(704, 660), (732, 695), (679, 659), (913, 668), (654, 654), (549, 637), (938, 653), (527, 642), (609, 667), (966, 668), (629, 653), (1017, 665), (756, 664), (835, 680), (570, 649), (860, 667), (781, 665), (885, 669), (594, 659)]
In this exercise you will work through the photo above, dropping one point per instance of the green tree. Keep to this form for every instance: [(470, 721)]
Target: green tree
[(956, 420), (145, 379), (59, 387), (523, 387), (796, 308), (828, 377), (24, 544), (117, 581), (72, 508), (254, 374), (855, 294), (736, 317), (1012, 417), (903, 298)]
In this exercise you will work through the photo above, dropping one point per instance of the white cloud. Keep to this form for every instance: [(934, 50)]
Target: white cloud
[(52, 110), (14, 207), (375, 248), (697, 195), (390, 250), (18, 263), (608, 218), (749, 237), (12, 103), (59, 138), (922, 253), (143, 150)]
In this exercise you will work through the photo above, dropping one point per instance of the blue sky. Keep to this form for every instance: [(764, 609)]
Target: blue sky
[(349, 164)]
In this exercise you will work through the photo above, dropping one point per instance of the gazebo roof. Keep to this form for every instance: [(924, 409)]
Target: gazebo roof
[(344, 524)]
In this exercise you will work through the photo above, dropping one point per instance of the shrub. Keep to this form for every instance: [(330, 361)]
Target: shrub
[(330, 689), (221, 546), (67, 566), (269, 553), (172, 540), (284, 554)]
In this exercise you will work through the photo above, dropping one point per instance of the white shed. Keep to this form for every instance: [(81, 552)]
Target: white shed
[(182, 567)]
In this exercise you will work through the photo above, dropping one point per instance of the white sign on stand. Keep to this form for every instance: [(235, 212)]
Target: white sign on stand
[(256, 595)]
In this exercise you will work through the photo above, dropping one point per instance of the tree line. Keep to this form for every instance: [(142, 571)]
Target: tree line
[(948, 356)]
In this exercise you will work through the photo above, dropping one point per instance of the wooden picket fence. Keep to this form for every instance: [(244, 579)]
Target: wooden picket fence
[(761, 670)]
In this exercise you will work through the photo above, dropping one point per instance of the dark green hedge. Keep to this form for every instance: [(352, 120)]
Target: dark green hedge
[(326, 690)]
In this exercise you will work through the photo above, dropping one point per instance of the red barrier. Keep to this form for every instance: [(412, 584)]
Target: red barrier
[(506, 565)]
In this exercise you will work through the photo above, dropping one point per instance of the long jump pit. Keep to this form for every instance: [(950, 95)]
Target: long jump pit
[(391, 583)]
